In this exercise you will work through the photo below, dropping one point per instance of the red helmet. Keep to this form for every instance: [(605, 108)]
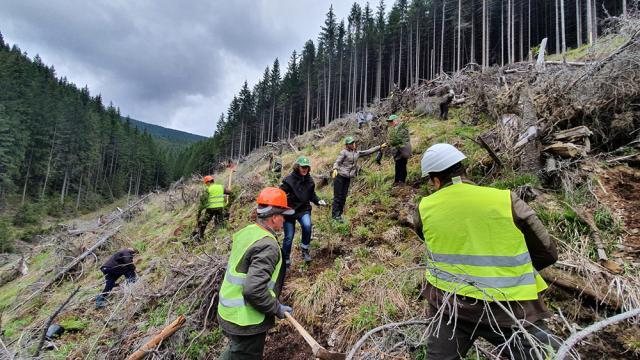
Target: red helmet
[(272, 196), (208, 179)]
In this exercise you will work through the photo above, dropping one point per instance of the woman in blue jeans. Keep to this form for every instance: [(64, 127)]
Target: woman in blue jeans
[(301, 192)]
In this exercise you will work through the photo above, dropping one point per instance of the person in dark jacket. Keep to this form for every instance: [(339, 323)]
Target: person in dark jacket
[(400, 141), (344, 169), (119, 264), (248, 298), (445, 101), (484, 248), (301, 192)]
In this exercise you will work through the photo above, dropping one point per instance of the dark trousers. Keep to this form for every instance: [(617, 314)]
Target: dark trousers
[(401, 170), (111, 276), (204, 220), (340, 191), (453, 345), (244, 347), (444, 111)]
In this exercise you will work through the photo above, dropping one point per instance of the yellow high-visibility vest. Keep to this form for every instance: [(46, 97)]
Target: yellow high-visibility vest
[(231, 305), (474, 247), (216, 196)]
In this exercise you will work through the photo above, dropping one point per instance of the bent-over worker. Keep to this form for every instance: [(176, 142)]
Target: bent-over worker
[(248, 299), (485, 246), (119, 264)]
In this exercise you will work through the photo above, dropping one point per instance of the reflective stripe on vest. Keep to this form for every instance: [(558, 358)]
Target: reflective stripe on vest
[(216, 196), (475, 249), (231, 306)]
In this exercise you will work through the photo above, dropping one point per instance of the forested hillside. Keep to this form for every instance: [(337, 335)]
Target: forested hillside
[(360, 59), (62, 146), (170, 139)]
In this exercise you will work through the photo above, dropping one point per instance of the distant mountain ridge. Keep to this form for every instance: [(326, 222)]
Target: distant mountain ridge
[(166, 135)]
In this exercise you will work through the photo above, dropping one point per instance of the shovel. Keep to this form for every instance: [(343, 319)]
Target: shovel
[(318, 351)]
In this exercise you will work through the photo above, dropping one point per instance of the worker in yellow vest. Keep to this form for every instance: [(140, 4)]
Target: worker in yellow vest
[(248, 298), (213, 205), (484, 249)]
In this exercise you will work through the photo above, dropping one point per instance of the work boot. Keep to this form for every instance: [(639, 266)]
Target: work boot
[(101, 301), (305, 255), (338, 219)]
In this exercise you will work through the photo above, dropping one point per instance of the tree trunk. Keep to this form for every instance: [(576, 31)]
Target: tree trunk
[(624, 7), (379, 74), (521, 32), (64, 185), (46, 177), (484, 33), (589, 23), (442, 40), (578, 25), (417, 61), (564, 40), (473, 32), (557, 28), (79, 191), (26, 179), (458, 65), (366, 72), (400, 60)]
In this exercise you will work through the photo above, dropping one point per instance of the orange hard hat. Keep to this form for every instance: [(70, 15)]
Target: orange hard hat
[(272, 196), (208, 179)]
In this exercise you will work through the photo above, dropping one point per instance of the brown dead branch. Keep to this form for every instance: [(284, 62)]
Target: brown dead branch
[(164, 334)]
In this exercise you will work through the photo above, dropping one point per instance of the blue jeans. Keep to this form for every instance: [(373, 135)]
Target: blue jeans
[(290, 231)]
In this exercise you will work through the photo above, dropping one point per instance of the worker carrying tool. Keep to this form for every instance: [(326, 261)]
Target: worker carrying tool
[(213, 203), (301, 192), (344, 169), (119, 264), (248, 299), (486, 247), (400, 140)]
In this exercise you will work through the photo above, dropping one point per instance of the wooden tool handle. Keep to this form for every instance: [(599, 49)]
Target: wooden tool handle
[(307, 337)]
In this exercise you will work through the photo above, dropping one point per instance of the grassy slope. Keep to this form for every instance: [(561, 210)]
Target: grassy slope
[(360, 277)]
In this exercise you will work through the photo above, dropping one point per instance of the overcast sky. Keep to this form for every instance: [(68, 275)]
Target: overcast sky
[(167, 62)]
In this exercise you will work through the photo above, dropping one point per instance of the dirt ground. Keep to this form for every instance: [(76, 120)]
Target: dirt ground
[(620, 191), (284, 342)]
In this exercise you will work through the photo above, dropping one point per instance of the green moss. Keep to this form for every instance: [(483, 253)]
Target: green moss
[(74, 324)]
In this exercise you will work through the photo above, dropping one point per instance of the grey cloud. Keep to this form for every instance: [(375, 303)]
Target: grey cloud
[(172, 63)]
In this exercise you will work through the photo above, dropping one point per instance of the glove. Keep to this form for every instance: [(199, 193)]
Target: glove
[(334, 173), (322, 203), (384, 146), (282, 309)]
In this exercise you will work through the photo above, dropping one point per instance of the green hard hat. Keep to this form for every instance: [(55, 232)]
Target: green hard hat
[(393, 117), (303, 161), (349, 140)]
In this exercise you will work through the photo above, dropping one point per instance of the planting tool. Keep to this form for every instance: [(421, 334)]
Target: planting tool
[(318, 351)]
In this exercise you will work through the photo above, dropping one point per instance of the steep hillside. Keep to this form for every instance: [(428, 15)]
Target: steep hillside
[(369, 271)]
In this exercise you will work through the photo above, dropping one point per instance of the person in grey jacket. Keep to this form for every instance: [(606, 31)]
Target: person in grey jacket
[(344, 169), (248, 298)]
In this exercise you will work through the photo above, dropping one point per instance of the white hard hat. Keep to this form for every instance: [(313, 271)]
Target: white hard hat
[(440, 157)]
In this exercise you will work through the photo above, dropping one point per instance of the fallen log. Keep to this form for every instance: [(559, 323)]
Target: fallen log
[(70, 266), (566, 150), (14, 271), (156, 340), (50, 320), (580, 286), (105, 223)]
